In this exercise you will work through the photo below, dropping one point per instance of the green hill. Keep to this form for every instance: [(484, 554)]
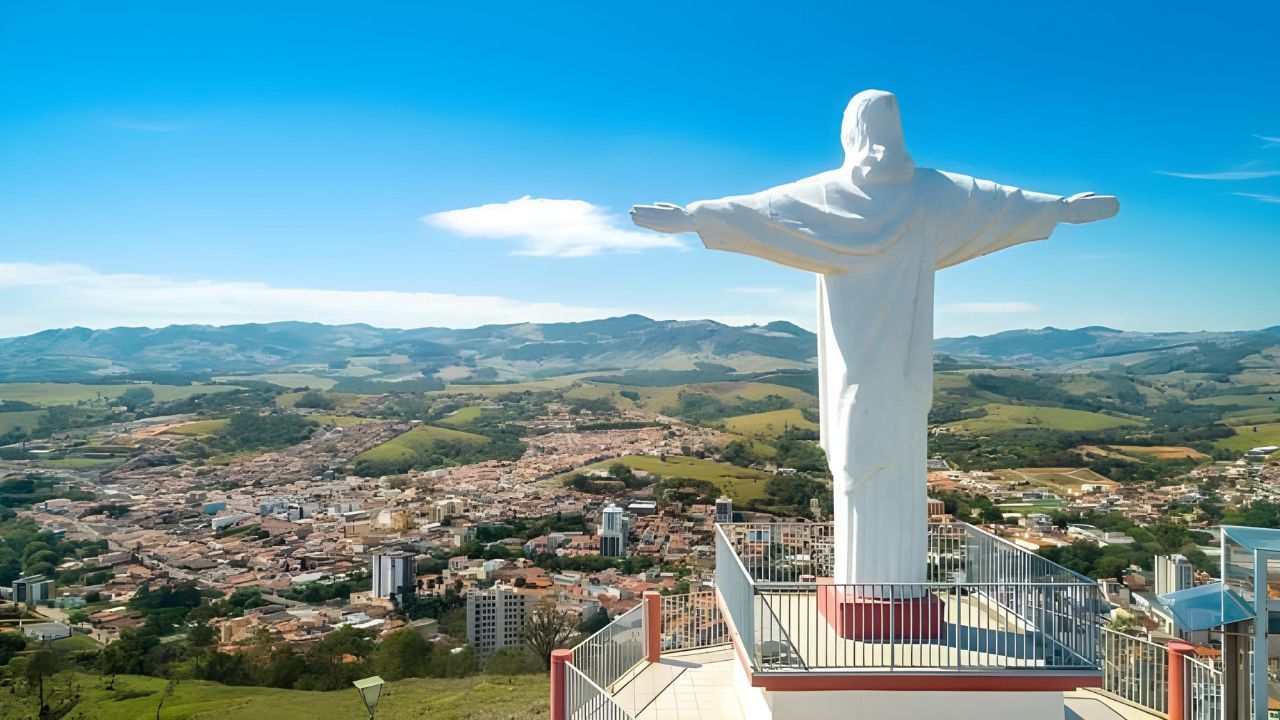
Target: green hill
[(1000, 417)]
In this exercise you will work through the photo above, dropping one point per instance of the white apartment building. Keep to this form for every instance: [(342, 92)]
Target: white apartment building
[(496, 617)]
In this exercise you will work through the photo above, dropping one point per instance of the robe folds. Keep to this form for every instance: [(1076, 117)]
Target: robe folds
[(875, 248)]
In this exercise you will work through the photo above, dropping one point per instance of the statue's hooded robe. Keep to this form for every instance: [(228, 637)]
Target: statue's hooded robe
[(875, 230)]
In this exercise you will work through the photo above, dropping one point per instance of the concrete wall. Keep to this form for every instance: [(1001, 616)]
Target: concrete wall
[(758, 704)]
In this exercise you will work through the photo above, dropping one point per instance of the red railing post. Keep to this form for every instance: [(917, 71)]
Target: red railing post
[(1178, 650), (652, 626), (559, 678)]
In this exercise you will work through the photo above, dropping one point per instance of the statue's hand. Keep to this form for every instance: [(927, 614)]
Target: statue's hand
[(663, 218), (1087, 207)]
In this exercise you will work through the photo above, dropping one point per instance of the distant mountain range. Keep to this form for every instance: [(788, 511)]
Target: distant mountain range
[(488, 353), (1142, 353), (362, 354)]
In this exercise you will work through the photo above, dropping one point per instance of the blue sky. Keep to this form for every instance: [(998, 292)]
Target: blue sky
[(224, 162)]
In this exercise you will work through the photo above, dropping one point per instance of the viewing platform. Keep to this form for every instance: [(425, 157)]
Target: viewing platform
[(995, 631)]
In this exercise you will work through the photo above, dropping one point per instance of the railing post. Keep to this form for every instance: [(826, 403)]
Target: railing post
[(1178, 650), (559, 681), (652, 626)]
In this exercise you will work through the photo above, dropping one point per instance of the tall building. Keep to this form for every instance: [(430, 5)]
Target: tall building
[(1173, 573), (393, 574), (724, 510), (496, 617), (613, 532)]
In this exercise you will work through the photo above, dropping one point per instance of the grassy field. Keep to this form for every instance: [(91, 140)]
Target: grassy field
[(463, 416), (418, 440), (71, 393), (1060, 480), (1002, 417), (199, 427), (475, 698), (80, 463), (736, 482), (1246, 437), (1161, 452), (288, 380), (768, 423), (347, 402), (26, 419)]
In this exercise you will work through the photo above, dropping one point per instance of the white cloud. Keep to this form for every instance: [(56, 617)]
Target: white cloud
[(1269, 140), (551, 228), (61, 295), (990, 308), (1226, 175), (1259, 197)]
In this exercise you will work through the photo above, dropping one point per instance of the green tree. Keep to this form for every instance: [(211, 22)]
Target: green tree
[(402, 654), (136, 397), (41, 664), (511, 661), (547, 629)]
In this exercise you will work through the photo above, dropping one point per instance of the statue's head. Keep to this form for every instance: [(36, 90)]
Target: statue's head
[(874, 149)]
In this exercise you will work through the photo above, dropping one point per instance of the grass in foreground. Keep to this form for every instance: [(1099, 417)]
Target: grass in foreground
[(474, 698)]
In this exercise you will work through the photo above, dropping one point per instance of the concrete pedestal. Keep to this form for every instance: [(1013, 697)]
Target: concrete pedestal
[(874, 619)]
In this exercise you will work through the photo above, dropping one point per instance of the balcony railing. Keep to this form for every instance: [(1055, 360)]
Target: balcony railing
[(610, 655), (1135, 670), (987, 605), (585, 700), (1138, 672), (692, 621)]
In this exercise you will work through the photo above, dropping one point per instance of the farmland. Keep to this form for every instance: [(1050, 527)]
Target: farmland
[(1252, 436), (71, 393), (768, 423), (1000, 417)]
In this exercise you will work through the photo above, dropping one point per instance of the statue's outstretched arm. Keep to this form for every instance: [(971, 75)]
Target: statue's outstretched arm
[(1087, 207), (664, 218)]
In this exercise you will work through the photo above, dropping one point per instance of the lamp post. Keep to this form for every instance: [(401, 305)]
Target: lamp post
[(370, 689)]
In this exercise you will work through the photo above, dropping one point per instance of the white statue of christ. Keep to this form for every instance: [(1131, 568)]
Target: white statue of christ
[(874, 231)]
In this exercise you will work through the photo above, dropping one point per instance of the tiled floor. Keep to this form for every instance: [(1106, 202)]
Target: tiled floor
[(684, 686), (1088, 705), (699, 686)]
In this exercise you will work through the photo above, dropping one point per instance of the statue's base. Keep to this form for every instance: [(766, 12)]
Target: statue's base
[(872, 619)]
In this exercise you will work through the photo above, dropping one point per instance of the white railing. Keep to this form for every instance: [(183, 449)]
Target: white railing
[(989, 605), (1203, 685), (939, 626), (1135, 670), (610, 654), (734, 584), (692, 621), (585, 700)]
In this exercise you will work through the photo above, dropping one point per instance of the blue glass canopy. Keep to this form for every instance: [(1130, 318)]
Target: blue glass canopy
[(1206, 607)]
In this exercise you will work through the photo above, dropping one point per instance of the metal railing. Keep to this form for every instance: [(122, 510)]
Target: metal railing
[(987, 605), (692, 621), (610, 654), (1135, 670), (1203, 685), (585, 700)]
